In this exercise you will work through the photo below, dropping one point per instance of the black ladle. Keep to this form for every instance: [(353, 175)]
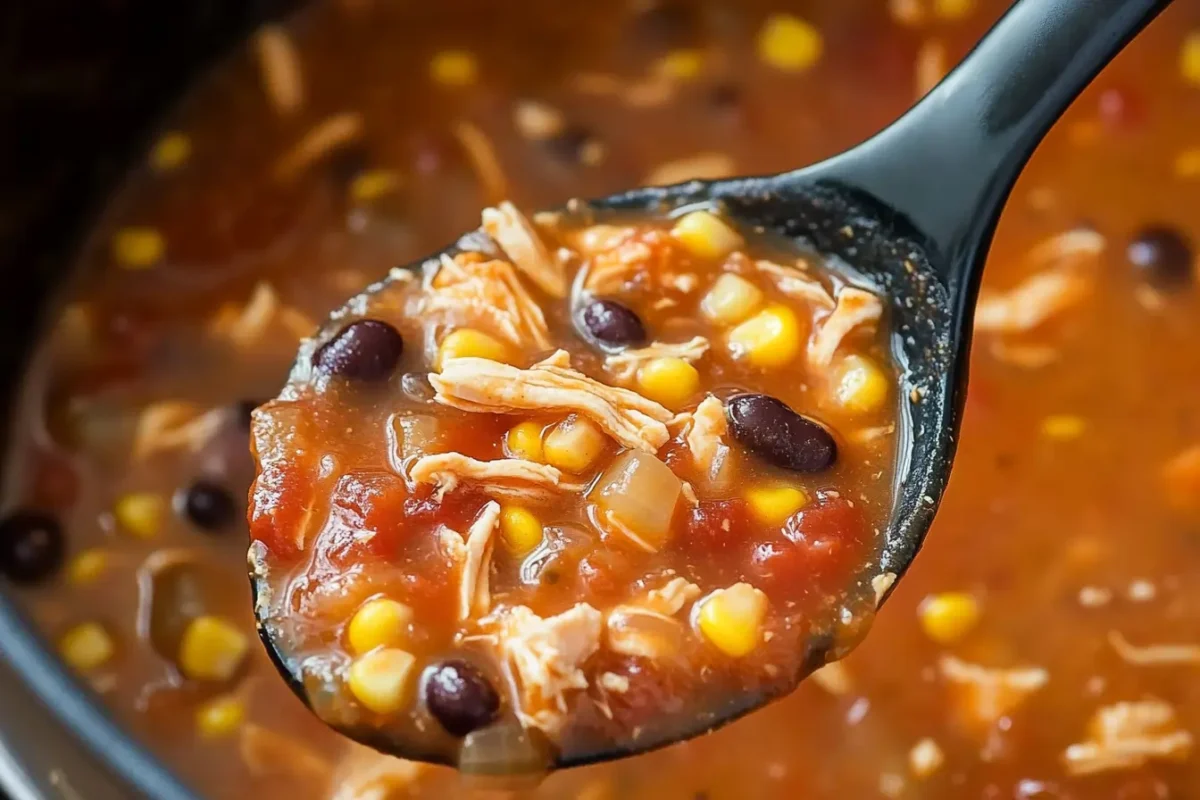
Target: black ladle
[(914, 210)]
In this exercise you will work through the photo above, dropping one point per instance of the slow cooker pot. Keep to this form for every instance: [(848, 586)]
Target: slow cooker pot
[(81, 84)]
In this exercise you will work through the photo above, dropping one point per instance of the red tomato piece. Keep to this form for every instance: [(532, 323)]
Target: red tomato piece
[(280, 503), (374, 502), (715, 526)]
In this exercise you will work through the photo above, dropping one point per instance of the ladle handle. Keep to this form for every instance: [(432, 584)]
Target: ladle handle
[(950, 162)]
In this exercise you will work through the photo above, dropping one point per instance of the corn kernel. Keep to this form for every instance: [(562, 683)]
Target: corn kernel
[(670, 381), (730, 300), (706, 235), (788, 43), (773, 505), (953, 9), (171, 151), (212, 649), (453, 68), (86, 646), (525, 441), (137, 247), (380, 679), (574, 444), (860, 387), (140, 514), (379, 622), (949, 616), (520, 530), (1189, 58), (470, 343), (1187, 163), (769, 339), (680, 64), (731, 619), (372, 185), (87, 566), (220, 717), (1063, 427)]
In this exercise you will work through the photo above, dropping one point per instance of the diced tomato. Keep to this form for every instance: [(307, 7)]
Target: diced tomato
[(818, 548), (456, 509), (833, 520), (374, 502), (605, 573), (654, 690), (281, 500), (715, 526)]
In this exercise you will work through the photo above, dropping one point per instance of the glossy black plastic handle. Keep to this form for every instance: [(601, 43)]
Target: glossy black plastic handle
[(950, 162)]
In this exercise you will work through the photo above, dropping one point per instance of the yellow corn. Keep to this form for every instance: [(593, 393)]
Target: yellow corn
[(380, 679), (860, 386), (670, 381), (137, 247), (372, 185), (949, 616), (525, 441), (1189, 58), (769, 339), (171, 151), (140, 514), (730, 300), (1063, 427), (520, 530), (574, 444), (379, 622), (773, 505), (953, 9), (706, 235), (470, 343), (220, 716), (789, 43), (453, 68), (732, 619), (86, 646), (680, 64), (212, 649), (87, 566)]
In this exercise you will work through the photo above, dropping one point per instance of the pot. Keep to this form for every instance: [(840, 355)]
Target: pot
[(84, 84)]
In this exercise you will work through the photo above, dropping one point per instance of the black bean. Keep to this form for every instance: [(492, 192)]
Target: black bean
[(31, 546), (366, 350), (612, 325), (777, 434), (1163, 256), (208, 505), (460, 697), (574, 145)]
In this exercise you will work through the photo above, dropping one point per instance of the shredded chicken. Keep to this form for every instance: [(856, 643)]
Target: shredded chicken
[(329, 134), (543, 658), (267, 753), (1181, 480), (988, 693), (646, 626), (624, 365), (367, 775), (246, 326), (517, 237), (618, 257), (796, 283), (834, 678), (704, 435), (504, 478), (474, 597), (880, 585), (855, 309), (1025, 356), (612, 682), (451, 545), (1129, 735), (481, 154), (174, 425), (282, 78), (700, 167), (1155, 654), (488, 293), (1031, 303), (478, 384)]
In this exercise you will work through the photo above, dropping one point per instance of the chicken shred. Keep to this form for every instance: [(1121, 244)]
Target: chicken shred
[(988, 693), (517, 237), (1031, 303), (479, 384), (704, 436), (268, 753), (474, 596), (1129, 735), (367, 775), (245, 326), (504, 478), (543, 658), (855, 309), (625, 365), (612, 682), (794, 282), (1155, 654), (646, 626), (174, 425), (623, 256), (489, 291)]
